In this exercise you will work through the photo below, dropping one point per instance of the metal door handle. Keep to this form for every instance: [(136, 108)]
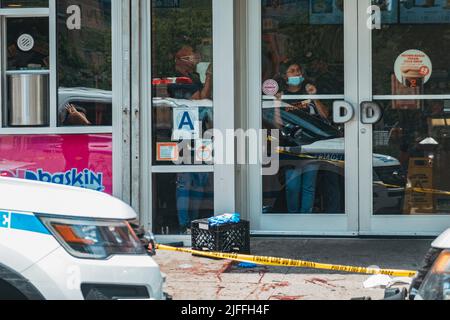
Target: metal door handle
[(371, 112), (343, 112)]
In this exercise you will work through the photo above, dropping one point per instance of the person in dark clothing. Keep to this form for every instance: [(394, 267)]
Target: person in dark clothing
[(297, 85), (301, 178), (191, 187), (190, 86)]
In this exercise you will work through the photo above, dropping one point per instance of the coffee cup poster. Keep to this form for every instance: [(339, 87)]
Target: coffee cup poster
[(413, 68)]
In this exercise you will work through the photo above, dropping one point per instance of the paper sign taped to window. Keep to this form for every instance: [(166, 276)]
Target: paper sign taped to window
[(167, 152), (186, 124), (204, 150)]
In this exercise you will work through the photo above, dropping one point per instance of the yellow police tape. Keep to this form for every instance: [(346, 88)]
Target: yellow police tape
[(341, 162), (414, 190), (280, 262)]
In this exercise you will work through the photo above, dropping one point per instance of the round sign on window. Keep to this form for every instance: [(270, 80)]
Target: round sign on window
[(270, 87), (413, 68), (25, 42)]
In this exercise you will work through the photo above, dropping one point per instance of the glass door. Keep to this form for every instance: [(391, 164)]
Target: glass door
[(190, 106), (302, 94), (60, 71), (405, 116)]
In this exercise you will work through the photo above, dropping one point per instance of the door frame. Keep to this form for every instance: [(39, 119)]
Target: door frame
[(314, 224), (385, 225), (223, 96)]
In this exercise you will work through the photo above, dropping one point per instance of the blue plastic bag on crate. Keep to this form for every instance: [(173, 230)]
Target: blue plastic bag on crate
[(227, 218)]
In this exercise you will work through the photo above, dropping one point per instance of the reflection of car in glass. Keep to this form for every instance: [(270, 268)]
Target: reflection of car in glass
[(307, 138), (95, 104)]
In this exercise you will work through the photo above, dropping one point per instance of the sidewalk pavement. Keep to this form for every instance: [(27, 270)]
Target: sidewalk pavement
[(194, 278)]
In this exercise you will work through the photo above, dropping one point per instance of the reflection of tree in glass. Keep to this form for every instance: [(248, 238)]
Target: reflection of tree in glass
[(24, 3), (394, 39), (190, 23), (85, 56), (318, 47)]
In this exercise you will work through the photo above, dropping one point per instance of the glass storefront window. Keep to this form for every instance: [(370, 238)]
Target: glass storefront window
[(180, 198), (302, 59), (412, 152), (27, 43), (408, 29), (309, 33), (26, 73), (182, 75), (15, 4), (72, 75), (311, 178), (182, 112), (84, 63), (410, 143)]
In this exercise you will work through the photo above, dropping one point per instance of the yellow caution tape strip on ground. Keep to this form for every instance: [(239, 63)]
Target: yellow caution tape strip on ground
[(280, 262)]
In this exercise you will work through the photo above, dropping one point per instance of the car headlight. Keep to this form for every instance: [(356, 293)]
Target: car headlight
[(437, 283), (94, 239)]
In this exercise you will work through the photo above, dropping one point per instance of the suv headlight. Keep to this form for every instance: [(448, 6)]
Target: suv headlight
[(94, 239), (437, 283)]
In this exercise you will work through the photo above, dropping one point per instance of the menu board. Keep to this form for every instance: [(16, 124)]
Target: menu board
[(425, 11)]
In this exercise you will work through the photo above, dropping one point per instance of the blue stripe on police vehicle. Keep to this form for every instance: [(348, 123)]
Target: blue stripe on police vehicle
[(5, 219), (22, 222)]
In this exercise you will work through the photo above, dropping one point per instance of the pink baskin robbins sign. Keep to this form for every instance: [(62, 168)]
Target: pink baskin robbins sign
[(75, 160)]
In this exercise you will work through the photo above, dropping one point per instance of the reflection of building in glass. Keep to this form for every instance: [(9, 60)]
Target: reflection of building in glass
[(85, 54), (85, 64), (322, 6), (293, 34), (425, 11), (189, 23)]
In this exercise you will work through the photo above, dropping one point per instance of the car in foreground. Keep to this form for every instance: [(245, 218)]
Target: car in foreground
[(66, 243), (433, 279)]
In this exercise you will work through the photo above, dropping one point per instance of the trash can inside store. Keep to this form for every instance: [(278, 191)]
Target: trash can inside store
[(28, 99)]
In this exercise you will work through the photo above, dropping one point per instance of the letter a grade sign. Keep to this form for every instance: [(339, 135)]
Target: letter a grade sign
[(186, 124)]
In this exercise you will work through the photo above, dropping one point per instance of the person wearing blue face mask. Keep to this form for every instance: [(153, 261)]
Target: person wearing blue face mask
[(295, 81), (297, 85), (300, 177)]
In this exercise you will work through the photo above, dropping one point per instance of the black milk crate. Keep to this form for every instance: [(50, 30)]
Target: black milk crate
[(227, 238)]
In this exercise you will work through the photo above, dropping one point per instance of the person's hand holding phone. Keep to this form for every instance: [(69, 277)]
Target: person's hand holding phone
[(76, 117)]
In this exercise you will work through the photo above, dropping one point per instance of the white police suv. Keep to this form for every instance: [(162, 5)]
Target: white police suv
[(66, 243)]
